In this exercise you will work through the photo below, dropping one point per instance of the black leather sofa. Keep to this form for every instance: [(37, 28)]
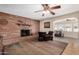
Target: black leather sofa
[(45, 37)]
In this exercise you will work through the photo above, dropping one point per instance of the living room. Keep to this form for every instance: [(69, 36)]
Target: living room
[(21, 26)]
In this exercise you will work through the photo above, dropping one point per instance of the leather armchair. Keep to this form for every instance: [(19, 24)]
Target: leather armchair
[(41, 36), (49, 36)]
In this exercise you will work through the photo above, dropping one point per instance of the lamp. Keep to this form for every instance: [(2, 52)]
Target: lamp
[(46, 12)]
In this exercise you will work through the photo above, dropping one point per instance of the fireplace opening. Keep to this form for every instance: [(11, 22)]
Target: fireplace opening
[(25, 33)]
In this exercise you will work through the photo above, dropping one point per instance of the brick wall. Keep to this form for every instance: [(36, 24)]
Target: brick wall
[(9, 28)]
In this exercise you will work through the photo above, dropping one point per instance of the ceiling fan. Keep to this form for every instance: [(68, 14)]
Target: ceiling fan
[(47, 8)]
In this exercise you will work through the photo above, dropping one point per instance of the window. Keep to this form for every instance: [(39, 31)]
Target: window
[(75, 27), (68, 25)]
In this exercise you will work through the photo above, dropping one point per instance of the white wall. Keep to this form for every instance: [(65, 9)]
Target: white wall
[(46, 29), (71, 34), (67, 34)]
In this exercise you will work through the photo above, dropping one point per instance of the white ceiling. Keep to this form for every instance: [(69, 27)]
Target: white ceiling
[(27, 10)]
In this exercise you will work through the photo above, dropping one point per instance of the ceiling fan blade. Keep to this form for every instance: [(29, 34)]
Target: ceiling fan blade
[(52, 12), (45, 6), (43, 14), (39, 11), (42, 5), (56, 7)]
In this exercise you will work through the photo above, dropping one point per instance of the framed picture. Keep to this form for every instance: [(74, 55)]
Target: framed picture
[(46, 24)]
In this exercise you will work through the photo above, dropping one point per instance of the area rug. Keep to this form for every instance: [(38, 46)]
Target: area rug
[(38, 48)]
